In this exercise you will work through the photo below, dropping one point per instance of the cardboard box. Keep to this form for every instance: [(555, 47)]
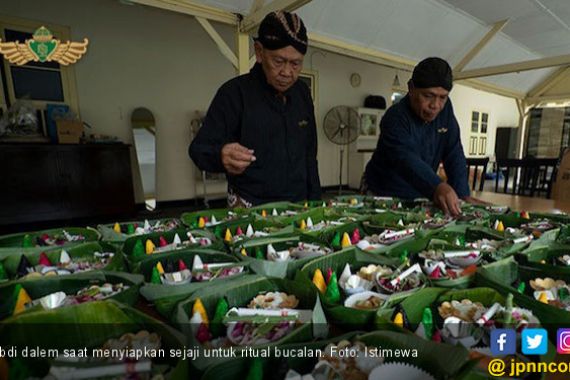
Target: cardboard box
[(69, 131), (561, 188)]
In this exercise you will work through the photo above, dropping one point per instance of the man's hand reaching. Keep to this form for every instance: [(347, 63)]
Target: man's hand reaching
[(446, 199), (236, 158)]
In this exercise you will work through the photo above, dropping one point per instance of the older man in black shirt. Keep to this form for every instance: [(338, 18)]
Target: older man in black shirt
[(260, 128)]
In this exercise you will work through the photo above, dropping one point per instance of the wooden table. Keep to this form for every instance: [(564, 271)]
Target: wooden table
[(522, 203)]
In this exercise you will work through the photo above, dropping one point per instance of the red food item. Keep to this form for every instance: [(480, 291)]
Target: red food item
[(355, 238), (203, 335), (329, 275), (471, 269), (162, 242), (436, 273), (44, 260)]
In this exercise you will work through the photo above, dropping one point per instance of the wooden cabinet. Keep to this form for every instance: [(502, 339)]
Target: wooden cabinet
[(54, 182)]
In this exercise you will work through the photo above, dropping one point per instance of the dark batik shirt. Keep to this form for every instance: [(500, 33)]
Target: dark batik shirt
[(283, 135), (409, 151)]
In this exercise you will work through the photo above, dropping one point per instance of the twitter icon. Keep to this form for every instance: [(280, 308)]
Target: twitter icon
[(534, 341)]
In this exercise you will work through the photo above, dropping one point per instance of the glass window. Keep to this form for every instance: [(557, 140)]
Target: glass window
[(37, 84), (475, 121), (484, 119)]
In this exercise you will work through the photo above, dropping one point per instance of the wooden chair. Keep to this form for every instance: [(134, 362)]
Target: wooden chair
[(530, 176), (475, 163)]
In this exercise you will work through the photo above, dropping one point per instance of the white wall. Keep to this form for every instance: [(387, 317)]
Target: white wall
[(334, 73), (140, 57), (145, 57), (502, 112)]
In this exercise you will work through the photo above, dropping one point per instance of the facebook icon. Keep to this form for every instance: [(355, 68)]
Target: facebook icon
[(503, 341)]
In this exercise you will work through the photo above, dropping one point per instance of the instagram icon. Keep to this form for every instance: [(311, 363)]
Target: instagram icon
[(563, 341)]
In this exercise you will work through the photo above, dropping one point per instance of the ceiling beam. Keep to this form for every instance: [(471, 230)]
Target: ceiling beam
[(534, 64), (242, 46), (548, 83), (220, 43), (496, 28), (251, 21), (193, 9), (548, 98), (356, 51), (489, 87), (390, 60)]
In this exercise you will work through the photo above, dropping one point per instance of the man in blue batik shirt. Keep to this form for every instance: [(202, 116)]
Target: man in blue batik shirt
[(416, 135)]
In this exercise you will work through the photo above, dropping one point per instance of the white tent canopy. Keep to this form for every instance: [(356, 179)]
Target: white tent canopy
[(526, 41)]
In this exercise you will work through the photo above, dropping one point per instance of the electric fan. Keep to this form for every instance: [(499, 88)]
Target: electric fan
[(342, 126)]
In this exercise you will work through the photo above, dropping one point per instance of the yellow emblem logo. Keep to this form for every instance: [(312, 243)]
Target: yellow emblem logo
[(43, 48)]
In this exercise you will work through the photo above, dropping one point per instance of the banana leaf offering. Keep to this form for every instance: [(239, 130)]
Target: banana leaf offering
[(541, 289), (212, 218), (31, 242), (394, 220), (165, 290), (255, 312), (313, 204), (525, 223), (464, 318), (140, 247), (101, 339), (55, 292), (355, 202), (75, 259), (280, 256), (452, 256), (242, 230), (498, 244), (119, 232), (346, 283), (545, 259), (278, 213), (353, 284), (473, 216), (320, 219), (381, 232)]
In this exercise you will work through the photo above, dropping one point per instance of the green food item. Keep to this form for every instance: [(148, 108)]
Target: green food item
[(138, 250), (335, 243), (521, 287), (155, 276), (130, 229), (217, 326), (259, 254), (27, 242), (461, 240), (427, 321), (563, 294), (332, 294)]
